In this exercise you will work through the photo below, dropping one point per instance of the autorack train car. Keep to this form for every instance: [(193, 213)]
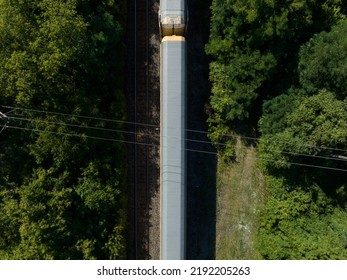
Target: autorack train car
[(173, 82)]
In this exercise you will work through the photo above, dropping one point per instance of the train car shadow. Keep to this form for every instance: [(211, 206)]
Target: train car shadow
[(201, 157), (201, 207)]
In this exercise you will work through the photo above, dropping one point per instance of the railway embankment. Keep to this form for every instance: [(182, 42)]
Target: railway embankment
[(143, 98)]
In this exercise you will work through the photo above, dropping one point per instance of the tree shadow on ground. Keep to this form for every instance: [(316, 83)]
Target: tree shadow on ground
[(202, 162)]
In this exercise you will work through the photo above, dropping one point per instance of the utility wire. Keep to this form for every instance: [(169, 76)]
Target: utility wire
[(72, 125), (5, 119), (189, 150), (143, 134), (76, 116), (80, 136), (147, 134), (337, 158), (156, 126), (258, 138)]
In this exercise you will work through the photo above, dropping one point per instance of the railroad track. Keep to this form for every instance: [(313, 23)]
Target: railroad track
[(141, 155)]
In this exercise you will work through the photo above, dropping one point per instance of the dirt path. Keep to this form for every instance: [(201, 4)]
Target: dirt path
[(241, 188)]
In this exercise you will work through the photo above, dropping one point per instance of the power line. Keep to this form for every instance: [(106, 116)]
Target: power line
[(76, 116), (303, 164), (307, 155), (5, 119), (258, 138), (147, 134), (189, 150), (156, 126), (144, 134), (72, 125), (80, 136)]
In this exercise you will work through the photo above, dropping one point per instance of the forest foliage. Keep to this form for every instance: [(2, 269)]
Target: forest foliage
[(280, 67), (61, 185)]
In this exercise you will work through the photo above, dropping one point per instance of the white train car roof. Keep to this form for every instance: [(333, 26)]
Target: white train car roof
[(173, 124), (173, 17), (172, 5)]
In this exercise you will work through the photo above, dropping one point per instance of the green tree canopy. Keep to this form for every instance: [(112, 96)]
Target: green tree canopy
[(301, 223), (303, 146), (62, 188), (312, 119), (323, 62), (265, 54), (316, 127), (254, 46)]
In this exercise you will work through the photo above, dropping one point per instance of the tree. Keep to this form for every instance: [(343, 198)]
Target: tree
[(301, 223), (313, 132), (311, 119), (254, 48), (323, 62), (302, 147), (66, 187)]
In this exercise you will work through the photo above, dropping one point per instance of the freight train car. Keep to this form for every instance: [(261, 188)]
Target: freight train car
[(173, 84), (173, 155)]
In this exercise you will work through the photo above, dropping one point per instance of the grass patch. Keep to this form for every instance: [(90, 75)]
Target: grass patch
[(240, 196)]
